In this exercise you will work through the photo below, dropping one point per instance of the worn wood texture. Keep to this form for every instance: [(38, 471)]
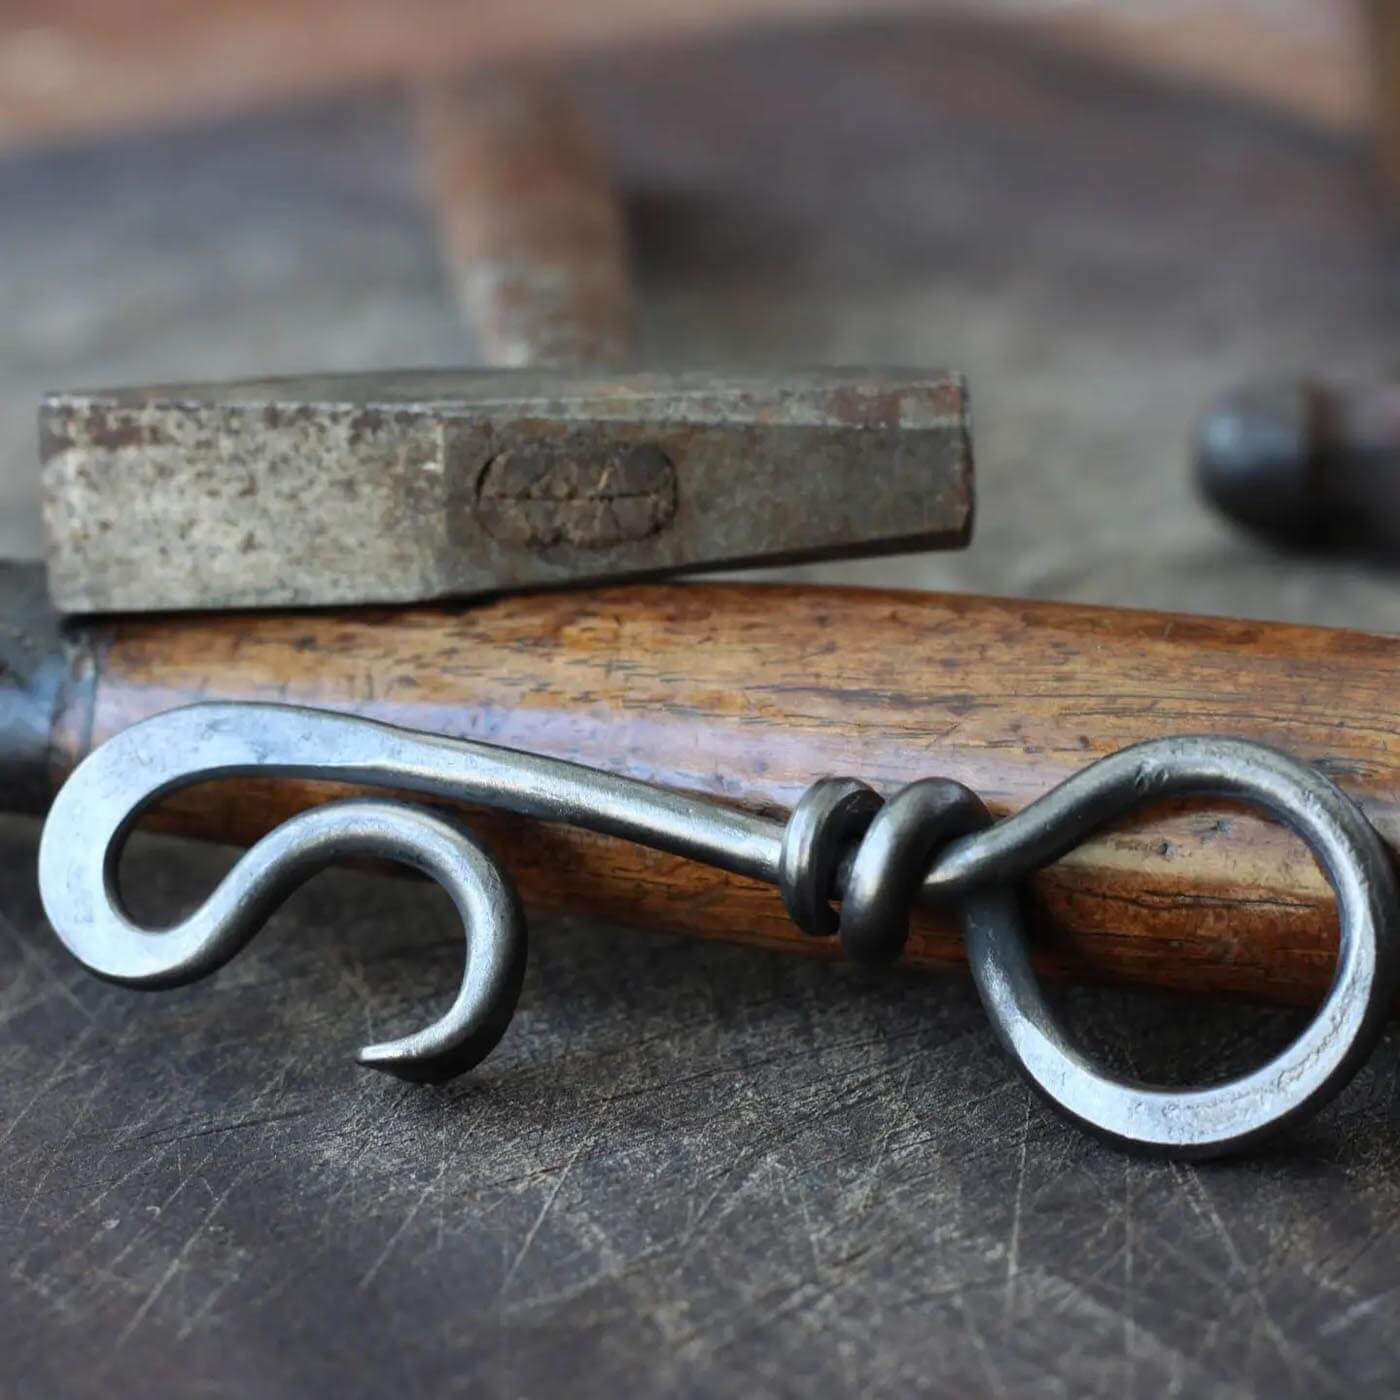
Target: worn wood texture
[(748, 693)]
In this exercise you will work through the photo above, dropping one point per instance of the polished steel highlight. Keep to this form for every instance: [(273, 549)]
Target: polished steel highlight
[(932, 843)]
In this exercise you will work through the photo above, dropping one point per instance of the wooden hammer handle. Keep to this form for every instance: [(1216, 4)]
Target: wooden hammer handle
[(747, 693), (531, 227)]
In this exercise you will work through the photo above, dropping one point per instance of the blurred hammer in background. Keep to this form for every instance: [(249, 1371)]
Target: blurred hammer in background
[(1306, 465), (554, 469), (531, 226)]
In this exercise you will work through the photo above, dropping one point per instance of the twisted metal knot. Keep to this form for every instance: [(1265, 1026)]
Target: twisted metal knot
[(932, 843), (843, 834)]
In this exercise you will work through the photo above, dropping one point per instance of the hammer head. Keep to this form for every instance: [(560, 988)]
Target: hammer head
[(404, 487)]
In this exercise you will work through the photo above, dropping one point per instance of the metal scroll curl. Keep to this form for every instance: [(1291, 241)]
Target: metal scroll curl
[(932, 843)]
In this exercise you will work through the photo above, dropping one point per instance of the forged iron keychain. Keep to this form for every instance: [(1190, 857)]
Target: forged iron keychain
[(932, 843)]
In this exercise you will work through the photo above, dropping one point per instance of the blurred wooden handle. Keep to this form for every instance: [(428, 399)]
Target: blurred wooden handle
[(531, 227), (749, 692)]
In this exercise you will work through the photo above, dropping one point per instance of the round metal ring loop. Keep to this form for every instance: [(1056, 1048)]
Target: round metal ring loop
[(1219, 1118)]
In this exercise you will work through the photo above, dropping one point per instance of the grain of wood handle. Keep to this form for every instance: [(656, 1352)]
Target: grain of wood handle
[(747, 693)]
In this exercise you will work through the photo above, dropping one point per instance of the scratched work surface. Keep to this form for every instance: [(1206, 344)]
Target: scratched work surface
[(690, 1168), (687, 1169)]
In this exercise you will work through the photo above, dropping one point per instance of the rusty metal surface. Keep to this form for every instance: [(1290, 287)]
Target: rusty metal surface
[(531, 227), (390, 488)]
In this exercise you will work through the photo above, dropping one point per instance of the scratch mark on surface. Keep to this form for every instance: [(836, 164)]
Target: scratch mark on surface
[(410, 1215), (77, 1121), (586, 1141), (51, 1079), (1129, 1308), (1013, 1248), (1197, 1194), (176, 1263), (45, 973)]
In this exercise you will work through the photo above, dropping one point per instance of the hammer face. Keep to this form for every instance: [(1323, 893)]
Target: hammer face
[(414, 486)]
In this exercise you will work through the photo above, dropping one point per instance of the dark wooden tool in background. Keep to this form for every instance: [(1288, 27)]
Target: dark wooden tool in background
[(747, 693), (1306, 464)]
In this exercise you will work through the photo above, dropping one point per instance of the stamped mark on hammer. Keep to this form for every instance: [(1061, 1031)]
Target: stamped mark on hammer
[(576, 493)]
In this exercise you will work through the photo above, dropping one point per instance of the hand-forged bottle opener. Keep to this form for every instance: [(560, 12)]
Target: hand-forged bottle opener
[(933, 842)]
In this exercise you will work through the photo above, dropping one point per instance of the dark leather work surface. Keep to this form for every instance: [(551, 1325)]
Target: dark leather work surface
[(691, 1169)]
